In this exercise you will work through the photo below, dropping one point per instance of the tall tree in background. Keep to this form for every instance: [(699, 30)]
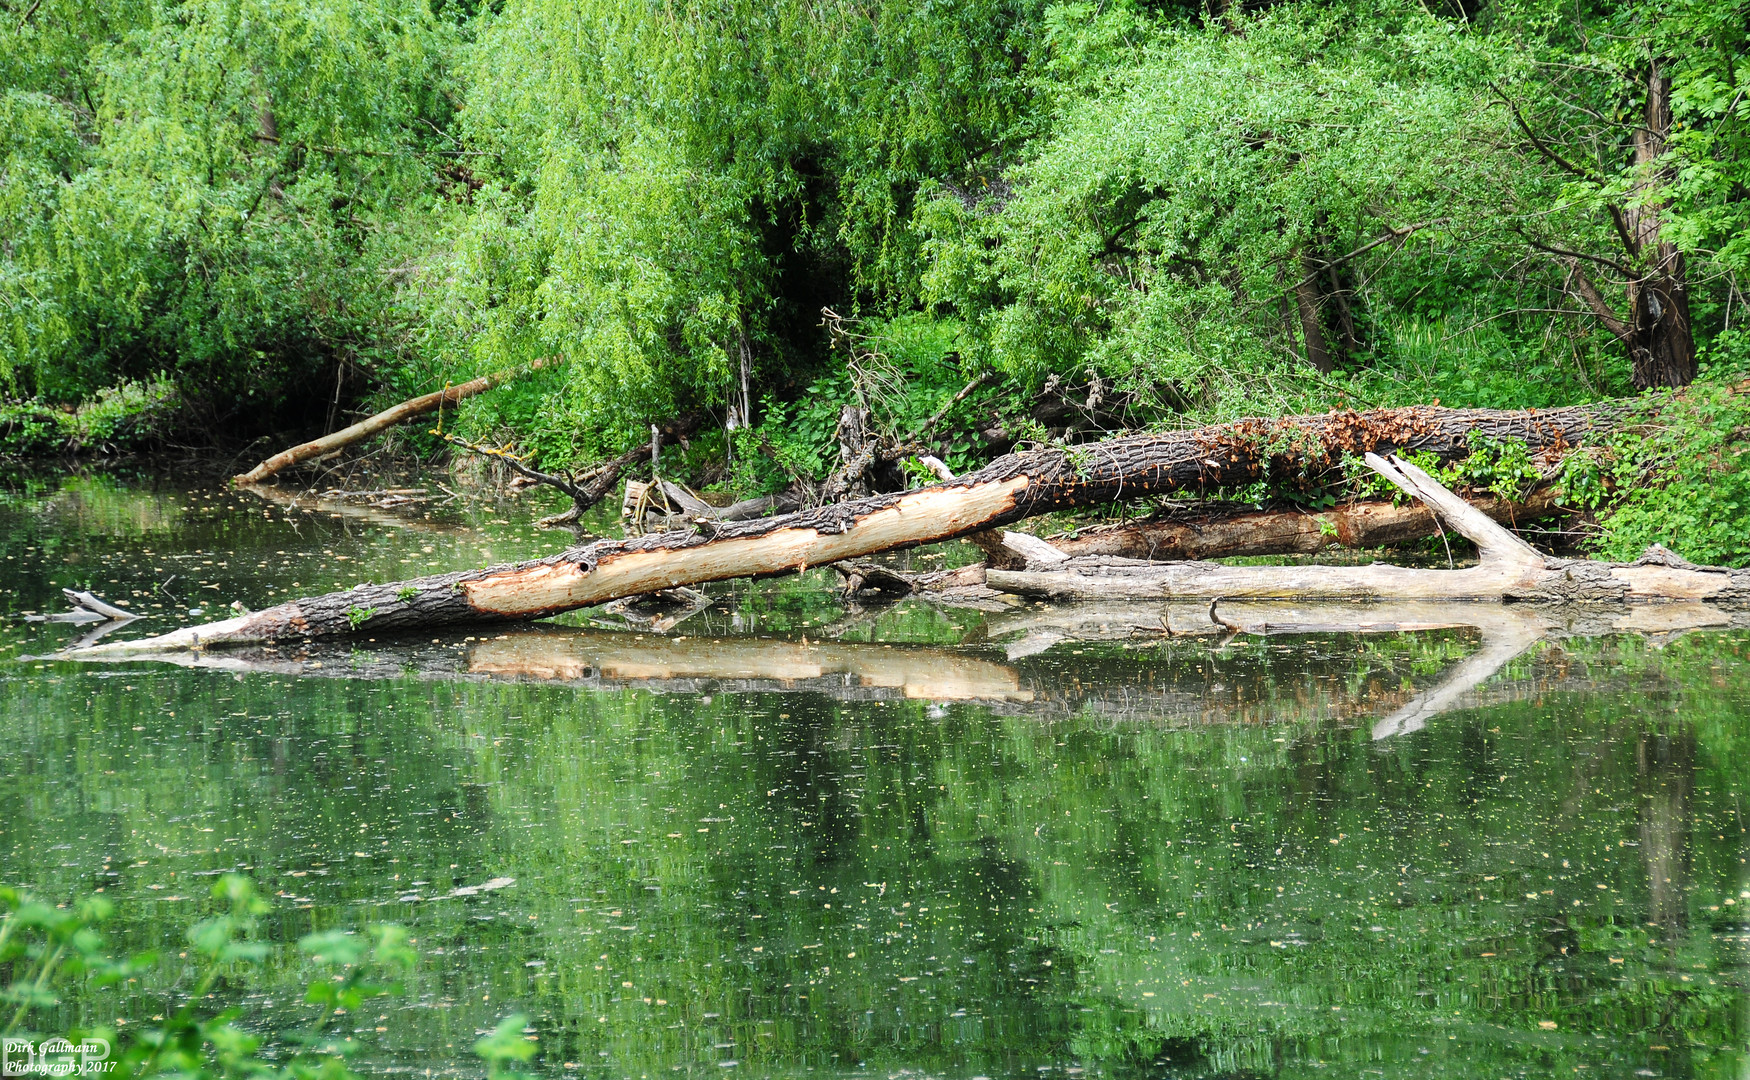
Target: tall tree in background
[(1639, 109)]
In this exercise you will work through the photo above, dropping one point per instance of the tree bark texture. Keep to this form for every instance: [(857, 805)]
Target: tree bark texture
[(1664, 349), (1013, 487), (1306, 302), (1199, 534)]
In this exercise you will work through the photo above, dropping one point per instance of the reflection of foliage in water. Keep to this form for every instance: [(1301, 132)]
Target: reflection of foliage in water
[(790, 881), (100, 505)]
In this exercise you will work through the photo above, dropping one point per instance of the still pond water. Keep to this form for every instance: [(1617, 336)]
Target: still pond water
[(912, 842)]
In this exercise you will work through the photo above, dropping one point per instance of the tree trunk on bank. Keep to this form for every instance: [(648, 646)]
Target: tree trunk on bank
[(1011, 488), (1306, 302), (1656, 331), (1664, 349)]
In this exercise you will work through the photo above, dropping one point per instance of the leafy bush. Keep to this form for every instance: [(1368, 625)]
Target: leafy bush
[(1680, 478), (43, 945), (126, 416)]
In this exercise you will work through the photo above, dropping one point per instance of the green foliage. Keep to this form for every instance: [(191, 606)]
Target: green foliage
[(908, 370), (127, 416), (1154, 233), (505, 1047), (262, 202), (670, 190), (1699, 45), (1501, 467), (46, 945), (211, 189), (1681, 479)]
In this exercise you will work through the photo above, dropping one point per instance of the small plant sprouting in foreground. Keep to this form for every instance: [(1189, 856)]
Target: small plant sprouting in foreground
[(505, 1046), (358, 616), (42, 946)]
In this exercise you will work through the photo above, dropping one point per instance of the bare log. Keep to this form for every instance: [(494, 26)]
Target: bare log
[(1011, 488), (1008, 550), (369, 426)]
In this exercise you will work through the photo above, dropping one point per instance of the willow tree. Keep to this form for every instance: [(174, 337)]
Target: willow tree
[(670, 194), (1241, 210), (1636, 113), (1227, 210), (214, 188)]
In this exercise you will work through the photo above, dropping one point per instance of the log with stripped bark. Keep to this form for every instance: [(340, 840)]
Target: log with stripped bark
[(1011, 488), (371, 425)]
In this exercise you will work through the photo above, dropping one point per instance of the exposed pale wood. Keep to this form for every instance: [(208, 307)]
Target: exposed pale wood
[(90, 602), (1494, 544), (938, 468), (369, 426), (1509, 570), (1011, 550)]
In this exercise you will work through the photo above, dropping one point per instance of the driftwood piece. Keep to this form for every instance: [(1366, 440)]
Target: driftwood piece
[(597, 482), (1013, 487), (89, 611), (88, 601), (369, 426)]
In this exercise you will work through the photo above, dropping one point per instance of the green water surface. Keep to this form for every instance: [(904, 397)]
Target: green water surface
[(794, 842)]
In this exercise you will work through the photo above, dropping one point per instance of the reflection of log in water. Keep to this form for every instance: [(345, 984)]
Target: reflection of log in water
[(1163, 678), (682, 665), (315, 503)]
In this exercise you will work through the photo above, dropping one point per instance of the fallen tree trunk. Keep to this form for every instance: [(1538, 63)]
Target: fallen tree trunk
[(1197, 533), (1222, 531), (1009, 489), (369, 426), (1508, 570)]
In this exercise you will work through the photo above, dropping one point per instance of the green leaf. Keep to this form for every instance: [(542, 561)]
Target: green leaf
[(506, 1042)]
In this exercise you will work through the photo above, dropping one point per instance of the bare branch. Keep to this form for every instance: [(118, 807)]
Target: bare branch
[(1585, 290), (1542, 147), (1566, 254), (1391, 234)]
